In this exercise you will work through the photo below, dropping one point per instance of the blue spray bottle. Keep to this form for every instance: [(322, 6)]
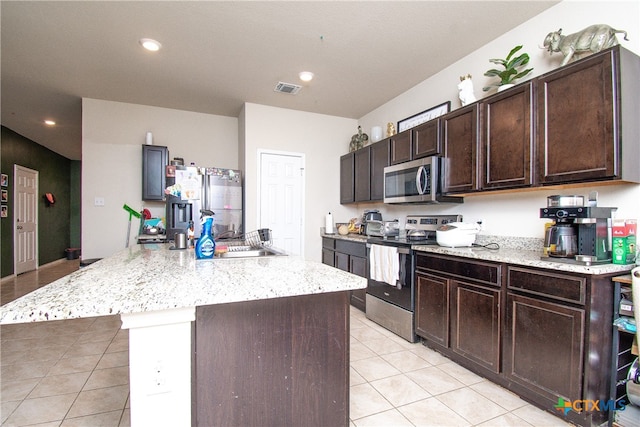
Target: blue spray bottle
[(206, 246)]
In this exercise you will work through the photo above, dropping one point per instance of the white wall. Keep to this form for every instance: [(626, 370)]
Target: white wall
[(112, 135), (321, 138), (516, 214)]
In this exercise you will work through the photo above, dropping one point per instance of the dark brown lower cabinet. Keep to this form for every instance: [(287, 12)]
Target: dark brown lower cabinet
[(350, 256), (275, 362), (543, 334), (475, 324), (432, 308), (544, 347)]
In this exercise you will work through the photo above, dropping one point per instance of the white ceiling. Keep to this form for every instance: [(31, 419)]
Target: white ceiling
[(218, 55)]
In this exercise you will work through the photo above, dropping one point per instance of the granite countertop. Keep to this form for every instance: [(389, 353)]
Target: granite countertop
[(152, 277), (513, 250)]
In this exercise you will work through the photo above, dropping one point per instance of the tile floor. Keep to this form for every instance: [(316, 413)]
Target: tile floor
[(75, 373)]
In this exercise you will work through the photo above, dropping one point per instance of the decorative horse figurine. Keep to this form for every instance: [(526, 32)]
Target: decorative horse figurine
[(465, 90)]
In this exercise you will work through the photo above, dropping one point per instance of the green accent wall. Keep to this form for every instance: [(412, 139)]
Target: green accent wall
[(58, 225)]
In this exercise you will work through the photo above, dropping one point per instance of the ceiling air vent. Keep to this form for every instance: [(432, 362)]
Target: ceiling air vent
[(287, 88)]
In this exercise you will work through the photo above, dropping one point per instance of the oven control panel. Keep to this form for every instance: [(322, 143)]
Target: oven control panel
[(429, 222)]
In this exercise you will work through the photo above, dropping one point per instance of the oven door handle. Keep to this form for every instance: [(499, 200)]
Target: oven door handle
[(401, 250)]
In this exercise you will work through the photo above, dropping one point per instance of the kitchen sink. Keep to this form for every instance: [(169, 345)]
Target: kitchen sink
[(250, 253)]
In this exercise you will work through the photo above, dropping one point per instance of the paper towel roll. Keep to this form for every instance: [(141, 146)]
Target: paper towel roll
[(149, 138), (328, 224)]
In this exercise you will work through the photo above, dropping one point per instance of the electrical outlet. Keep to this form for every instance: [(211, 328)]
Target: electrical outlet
[(158, 379), (98, 201)]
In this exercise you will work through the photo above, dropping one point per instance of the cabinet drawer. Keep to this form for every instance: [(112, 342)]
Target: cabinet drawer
[(550, 284), (351, 248), (481, 272), (328, 243)]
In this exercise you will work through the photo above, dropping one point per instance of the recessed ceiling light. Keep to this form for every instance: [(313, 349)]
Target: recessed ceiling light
[(306, 76), (49, 123), (150, 44)]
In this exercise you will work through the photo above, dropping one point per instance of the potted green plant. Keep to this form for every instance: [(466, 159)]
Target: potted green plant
[(510, 72)]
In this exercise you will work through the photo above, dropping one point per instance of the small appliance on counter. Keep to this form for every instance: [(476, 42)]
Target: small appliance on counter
[(383, 228), (371, 216), (457, 234), (581, 234)]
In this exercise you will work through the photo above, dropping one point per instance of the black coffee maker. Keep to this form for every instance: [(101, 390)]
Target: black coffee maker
[(581, 234)]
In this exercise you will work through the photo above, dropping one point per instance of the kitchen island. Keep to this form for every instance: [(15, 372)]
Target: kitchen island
[(217, 342)]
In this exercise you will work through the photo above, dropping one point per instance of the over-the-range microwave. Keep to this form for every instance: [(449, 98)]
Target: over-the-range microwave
[(417, 181)]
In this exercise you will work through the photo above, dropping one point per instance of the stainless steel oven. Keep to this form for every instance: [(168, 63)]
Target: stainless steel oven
[(393, 307)]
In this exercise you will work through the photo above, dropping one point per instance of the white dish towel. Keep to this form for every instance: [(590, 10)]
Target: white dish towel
[(384, 264)]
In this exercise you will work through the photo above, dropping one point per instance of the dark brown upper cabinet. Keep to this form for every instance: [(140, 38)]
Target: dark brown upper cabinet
[(347, 178), (154, 161), (379, 160), (588, 127), (460, 150), (400, 147), (507, 152), (425, 139), (362, 174)]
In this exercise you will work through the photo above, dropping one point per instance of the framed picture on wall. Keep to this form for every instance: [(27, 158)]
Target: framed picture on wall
[(425, 116), (5, 212), (4, 181), (5, 196)]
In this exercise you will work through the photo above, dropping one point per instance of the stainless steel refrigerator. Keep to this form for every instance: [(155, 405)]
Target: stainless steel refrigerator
[(194, 188)]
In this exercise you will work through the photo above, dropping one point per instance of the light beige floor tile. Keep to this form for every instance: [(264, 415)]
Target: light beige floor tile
[(355, 323), (399, 390), (463, 375), (366, 334), (86, 349), (100, 335), (125, 421), (364, 400), (359, 351), (429, 355), (51, 353), (18, 389), (23, 371), (374, 368), (106, 323), (355, 378), (434, 380), (105, 419), (538, 417), (432, 412), (406, 361), (75, 364), (41, 410), (118, 344), (7, 408), (101, 378), (113, 360), (383, 346), (506, 420), (471, 405), (100, 400), (499, 395), (391, 418), (60, 384)]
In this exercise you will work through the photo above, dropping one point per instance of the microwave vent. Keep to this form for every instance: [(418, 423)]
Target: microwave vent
[(289, 88)]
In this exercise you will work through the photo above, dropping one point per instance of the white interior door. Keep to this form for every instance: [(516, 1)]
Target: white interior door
[(282, 200), (25, 217)]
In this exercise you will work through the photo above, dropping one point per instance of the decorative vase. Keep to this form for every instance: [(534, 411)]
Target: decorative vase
[(505, 87)]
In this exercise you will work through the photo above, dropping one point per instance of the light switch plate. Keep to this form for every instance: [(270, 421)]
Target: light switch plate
[(98, 201)]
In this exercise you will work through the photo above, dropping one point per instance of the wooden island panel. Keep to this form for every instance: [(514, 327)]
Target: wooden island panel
[(273, 362)]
